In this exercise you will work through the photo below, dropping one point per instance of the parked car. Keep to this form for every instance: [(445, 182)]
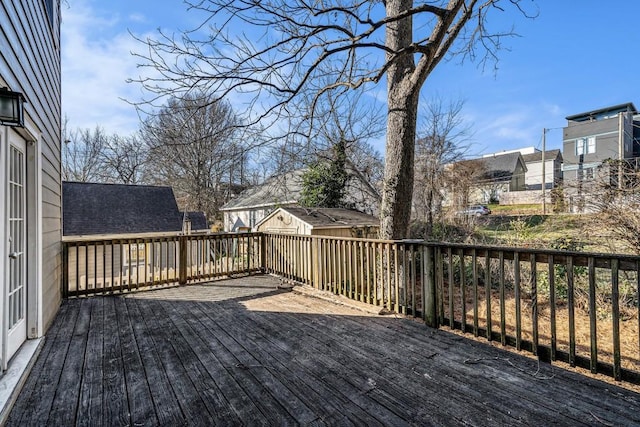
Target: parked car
[(476, 210)]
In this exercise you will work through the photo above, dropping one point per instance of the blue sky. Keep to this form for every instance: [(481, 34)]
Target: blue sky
[(575, 57)]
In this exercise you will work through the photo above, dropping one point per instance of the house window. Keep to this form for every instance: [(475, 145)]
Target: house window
[(586, 174), (585, 145), (48, 4)]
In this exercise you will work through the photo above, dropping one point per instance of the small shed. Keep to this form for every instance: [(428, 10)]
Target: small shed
[(334, 222)]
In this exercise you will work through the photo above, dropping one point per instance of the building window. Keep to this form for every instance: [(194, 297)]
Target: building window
[(48, 4), (586, 174), (585, 145)]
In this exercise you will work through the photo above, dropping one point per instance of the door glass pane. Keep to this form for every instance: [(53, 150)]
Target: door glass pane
[(16, 237)]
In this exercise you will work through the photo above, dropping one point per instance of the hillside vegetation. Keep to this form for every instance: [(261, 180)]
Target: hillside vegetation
[(524, 226)]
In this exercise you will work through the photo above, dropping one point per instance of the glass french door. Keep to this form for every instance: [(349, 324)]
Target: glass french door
[(16, 278)]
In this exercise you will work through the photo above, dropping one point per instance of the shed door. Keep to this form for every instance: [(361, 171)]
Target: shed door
[(16, 277)]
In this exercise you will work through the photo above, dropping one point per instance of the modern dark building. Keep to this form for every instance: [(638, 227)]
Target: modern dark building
[(593, 137)]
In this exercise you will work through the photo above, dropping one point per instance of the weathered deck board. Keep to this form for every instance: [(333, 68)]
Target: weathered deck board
[(164, 400), (90, 405), (241, 353)]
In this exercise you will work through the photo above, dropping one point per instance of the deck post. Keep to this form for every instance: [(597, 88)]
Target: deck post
[(263, 252), (65, 270), (182, 262), (429, 280)]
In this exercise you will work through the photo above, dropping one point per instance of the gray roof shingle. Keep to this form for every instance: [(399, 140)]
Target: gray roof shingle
[(333, 217), (537, 156), (286, 190), (277, 190), (198, 220), (89, 209), (496, 168)]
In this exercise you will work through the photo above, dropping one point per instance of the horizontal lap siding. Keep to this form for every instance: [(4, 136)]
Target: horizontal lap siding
[(30, 63)]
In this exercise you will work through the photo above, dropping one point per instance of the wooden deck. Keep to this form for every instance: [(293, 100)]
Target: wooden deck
[(241, 352)]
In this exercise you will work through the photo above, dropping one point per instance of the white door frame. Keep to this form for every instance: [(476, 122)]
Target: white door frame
[(33, 243), (16, 242)]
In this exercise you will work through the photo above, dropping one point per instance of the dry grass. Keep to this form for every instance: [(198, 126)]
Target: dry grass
[(629, 334)]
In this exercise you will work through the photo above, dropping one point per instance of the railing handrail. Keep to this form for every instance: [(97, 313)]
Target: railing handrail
[(420, 278)]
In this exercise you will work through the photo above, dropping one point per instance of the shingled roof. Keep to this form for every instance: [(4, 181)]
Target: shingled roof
[(198, 220), (286, 190), (330, 217), (495, 168), (278, 190), (90, 209), (537, 156)]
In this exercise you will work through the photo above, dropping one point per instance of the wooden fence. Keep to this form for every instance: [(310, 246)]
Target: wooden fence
[(580, 308), (128, 264)]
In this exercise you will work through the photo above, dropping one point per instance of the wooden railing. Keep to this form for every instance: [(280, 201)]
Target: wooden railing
[(128, 264), (580, 308)]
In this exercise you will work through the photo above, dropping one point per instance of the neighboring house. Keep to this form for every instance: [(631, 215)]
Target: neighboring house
[(488, 178), (194, 222), (91, 209), (255, 203), (334, 222), (592, 137), (121, 212), (552, 169), (30, 184)]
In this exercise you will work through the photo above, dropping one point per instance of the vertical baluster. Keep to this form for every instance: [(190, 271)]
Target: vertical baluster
[(77, 248), (374, 273), (368, 271), (112, 257), (129, 248), (474, 265), (534, 302), (571, 307), (413, 271), (592, 316), (440, 277), (516, 289), (95, 264), (146, 263), (615, 318), (396, 275), (487, 290), (386, 276), (86, 266), (463, 292), (363, 269), (503, 319), (552, 304), (451, 313)]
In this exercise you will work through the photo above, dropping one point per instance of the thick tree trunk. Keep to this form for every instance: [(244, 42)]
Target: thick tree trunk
[(402, 102)]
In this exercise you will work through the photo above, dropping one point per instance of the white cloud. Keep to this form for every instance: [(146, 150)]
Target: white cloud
[(137, 17), (515, 126), (96, 63)]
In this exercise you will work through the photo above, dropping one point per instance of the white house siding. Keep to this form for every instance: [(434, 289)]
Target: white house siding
[(533, 176), (285, 223), (249, 217), (30, 63)]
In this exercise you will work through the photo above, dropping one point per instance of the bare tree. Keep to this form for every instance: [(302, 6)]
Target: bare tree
[(194, 147), (124, 159), (612, 195), (461, 179), (443, 139), (82, 154), (340, 118), (360, 43)]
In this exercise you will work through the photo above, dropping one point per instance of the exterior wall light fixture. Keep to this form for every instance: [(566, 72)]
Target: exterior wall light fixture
[(11, 108)]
